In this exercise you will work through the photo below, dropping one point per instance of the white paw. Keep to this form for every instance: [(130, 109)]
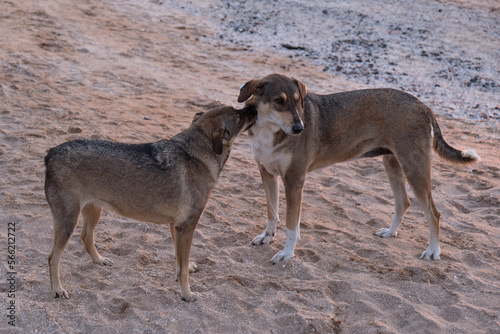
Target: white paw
[(263, 239), (385, 233), (431, 253), (281, 256), (192, 267), (104, 261)]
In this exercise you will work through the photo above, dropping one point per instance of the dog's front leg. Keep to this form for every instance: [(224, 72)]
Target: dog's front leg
[(192, 266), (293, 191), (270, 183), (182, 234)]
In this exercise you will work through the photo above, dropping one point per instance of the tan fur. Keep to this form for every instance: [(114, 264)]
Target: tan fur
[(325, 129), (167, 182)]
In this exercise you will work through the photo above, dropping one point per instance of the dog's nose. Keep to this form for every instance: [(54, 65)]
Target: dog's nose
[(297, 129)]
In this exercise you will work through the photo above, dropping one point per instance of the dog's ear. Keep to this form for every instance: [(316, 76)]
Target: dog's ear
[(252, 87), (302, 91), (220, 138), (197, 117), (218, 141)]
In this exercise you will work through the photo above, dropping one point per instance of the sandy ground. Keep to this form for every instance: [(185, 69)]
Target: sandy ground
[(137, 71)]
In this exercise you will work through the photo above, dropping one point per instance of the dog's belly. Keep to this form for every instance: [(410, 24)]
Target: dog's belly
[(265, 153), (145, 210)]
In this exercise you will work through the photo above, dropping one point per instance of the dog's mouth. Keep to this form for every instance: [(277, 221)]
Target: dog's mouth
[(248, 126), (293, 130), (248, 116)]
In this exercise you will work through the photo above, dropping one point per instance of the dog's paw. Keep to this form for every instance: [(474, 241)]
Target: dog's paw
[(431, 254), (193, 296), (192, 267), (281, 256), (386, 233), (104, 261), (60, 294), (263, 239)]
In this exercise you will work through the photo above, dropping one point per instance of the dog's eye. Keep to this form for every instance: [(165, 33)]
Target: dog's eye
[(279, 101)]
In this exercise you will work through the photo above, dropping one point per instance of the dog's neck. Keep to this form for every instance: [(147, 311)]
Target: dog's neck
[(203, 151), (267, 133)]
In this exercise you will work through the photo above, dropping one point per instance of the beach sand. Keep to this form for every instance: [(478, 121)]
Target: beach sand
[(137, 71)]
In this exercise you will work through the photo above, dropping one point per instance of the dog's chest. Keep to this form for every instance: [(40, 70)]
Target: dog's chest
[(265, 153)]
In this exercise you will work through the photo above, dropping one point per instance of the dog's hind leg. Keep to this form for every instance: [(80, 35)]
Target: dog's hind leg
[(66, 213), (271, 189), (401, 201), (91, 214), (417, 169), (422, 190)]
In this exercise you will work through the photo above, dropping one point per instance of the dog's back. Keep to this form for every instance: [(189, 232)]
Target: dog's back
[(92, 154), (384, 118)]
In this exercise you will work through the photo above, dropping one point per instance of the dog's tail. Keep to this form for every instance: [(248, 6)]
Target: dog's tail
[(448, 153)]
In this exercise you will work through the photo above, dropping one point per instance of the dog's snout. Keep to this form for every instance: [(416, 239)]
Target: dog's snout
[(298, 128), (248, 116)]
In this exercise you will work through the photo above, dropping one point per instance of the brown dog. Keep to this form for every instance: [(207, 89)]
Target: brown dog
[(297, 132), (167, 182)]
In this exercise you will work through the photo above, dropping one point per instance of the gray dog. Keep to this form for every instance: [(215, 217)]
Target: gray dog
[(167, 182)]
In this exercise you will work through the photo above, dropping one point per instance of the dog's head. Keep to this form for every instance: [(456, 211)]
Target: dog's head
[(279, 99), (224, 123)]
